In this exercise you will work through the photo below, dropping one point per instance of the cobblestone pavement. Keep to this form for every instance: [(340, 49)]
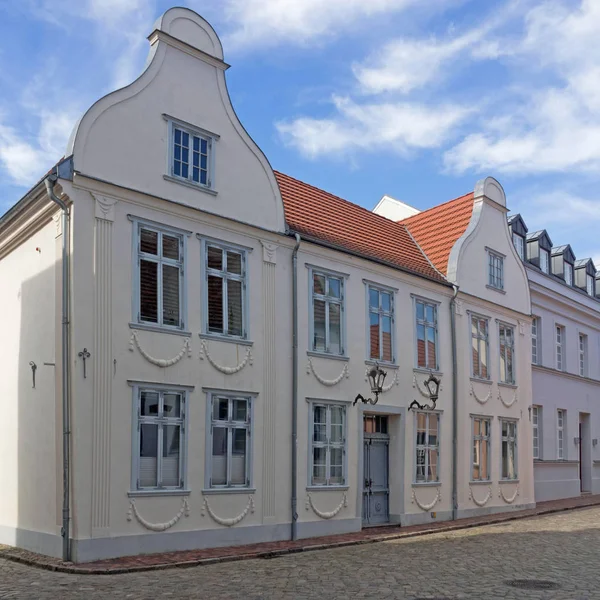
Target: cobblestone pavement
[(471, 563)]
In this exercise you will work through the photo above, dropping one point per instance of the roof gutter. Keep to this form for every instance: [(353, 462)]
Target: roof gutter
[(318, 242), (454, 404), (295, 388), (49, 182)]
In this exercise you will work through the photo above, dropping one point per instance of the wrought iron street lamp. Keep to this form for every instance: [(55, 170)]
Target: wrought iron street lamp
[(432, 384), (376, 378)]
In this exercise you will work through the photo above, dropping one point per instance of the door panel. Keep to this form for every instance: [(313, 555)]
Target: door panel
[(376, 479)]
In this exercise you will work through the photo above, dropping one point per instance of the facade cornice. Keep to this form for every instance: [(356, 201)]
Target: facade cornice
[(487, 305), (566, 374)]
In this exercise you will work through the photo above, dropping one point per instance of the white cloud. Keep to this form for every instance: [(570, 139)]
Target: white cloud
[(557, 125), (297, 22), (399, 127)]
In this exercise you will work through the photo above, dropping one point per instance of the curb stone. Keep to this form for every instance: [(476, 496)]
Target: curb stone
[(73, 569)]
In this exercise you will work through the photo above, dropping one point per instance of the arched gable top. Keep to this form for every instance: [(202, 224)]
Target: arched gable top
[(490, 188)]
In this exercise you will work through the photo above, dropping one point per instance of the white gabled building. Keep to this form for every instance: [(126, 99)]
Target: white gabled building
[(565, 365), (219, 319)]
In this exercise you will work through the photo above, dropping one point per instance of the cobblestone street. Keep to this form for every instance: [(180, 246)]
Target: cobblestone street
[(473, 563)]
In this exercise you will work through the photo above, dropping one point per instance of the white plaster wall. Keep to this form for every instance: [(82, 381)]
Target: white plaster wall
[(554, 304), (28, 436)]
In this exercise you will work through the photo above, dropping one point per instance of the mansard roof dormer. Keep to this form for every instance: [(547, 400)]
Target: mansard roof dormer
[(539, 246), (563, 260), (518, 233), (585, 276)]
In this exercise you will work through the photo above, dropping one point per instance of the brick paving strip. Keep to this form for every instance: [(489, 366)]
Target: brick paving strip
[(191, 558)]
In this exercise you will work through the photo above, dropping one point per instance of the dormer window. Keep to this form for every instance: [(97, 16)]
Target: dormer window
[(584, 276), (519, 243), (191, 155), (544, 260), (568, 274), (590, 285)]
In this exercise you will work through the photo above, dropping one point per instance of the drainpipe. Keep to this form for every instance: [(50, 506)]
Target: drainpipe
[(295, 389), (66, 427), (454, 405)]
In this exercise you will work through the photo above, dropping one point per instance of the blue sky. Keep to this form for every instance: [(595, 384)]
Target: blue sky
[(413, 99)]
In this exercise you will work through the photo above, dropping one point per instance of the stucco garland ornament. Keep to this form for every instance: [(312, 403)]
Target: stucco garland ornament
[(508, 404), (427, 507), (481, 502), (325, 515), (133, 511), (233, 520), (248, 359), (421, 391), (508, 500), (160, 362), (310, 368), (481, 400)]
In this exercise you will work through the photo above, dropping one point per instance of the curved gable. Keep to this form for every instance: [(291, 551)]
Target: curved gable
[(125, 138)]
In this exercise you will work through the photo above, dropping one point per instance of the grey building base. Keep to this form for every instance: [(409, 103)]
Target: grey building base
[(465, 513), (321, 528), (407, 520), (154, 543), (48, 544)]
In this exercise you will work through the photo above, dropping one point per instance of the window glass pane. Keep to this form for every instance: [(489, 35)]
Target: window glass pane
[(178, 136), (215, 304), (220, 409), (320, 424), (432, 471), (429, 313), (373, 298), (234, 263), (433, 429), (431, 349), (170, 247), (335, 286), (319, 466), (148, 455), (319, 284), (238, 459), (148, 404), (240, 411), (386, 339), (219, 456), (475, 351), (483, 463), (148, 291), (336, 466), (319, 326), (149, 241), (171, 405), (420, 464), (170, 295), (170, 460), (234, 307), (337, 415), (476, 426), (386, 301), (484, 360), (421, 356), (215, 258), (420, 311), (374, 335), (335, 329)]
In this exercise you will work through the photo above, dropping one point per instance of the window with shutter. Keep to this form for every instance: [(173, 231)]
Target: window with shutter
[(225, 289), (160, 277)]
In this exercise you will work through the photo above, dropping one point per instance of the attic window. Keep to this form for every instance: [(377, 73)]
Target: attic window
[(544, 260), (519, 243), (568, 273), (590, 285), (495, 270), (191, 155)]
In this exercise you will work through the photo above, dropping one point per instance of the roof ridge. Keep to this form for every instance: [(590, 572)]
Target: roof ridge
[(436, 207)]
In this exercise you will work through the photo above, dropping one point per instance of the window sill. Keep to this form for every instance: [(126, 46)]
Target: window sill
[(508, 481), (491, 287), (512, 386), (427, 484), (215, 491), (141, 493), (381, 363), (327, 355), (194, 186), (479, 380), (159, 329), (327, 488), (481, 482), (226, 338), (427, 371)]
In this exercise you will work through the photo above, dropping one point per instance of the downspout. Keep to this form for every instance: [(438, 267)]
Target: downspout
[(295, 389), (454, 404), (66, 427)]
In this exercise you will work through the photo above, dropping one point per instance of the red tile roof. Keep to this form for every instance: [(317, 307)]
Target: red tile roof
[(437, 229), (319, 215)]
